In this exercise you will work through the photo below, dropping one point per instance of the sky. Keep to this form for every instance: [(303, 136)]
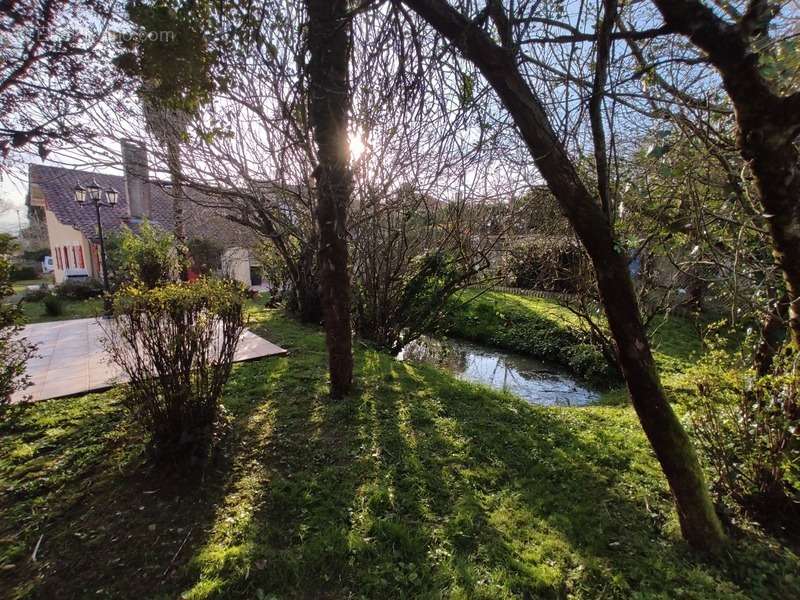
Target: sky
[(12, 192)]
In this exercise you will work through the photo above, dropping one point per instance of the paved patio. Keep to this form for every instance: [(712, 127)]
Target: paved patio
[(71, 359)]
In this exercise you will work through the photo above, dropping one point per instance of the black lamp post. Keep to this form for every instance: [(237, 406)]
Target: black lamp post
[(94, 193)]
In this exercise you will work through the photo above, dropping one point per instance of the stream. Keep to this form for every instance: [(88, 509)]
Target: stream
[(533, 380)]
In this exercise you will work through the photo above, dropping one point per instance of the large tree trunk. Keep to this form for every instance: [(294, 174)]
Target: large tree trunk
[(776, 166), (767, 124), (329, 45), (699, 523)]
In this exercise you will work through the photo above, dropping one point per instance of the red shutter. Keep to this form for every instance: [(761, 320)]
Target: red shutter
[(58, 258), (66, 257), (74, 257), (80, 257)]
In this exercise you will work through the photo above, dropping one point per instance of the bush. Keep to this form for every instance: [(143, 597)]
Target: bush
[(748, 429), (53, 305), (206, 255), (394, 308), (553, 264), (148, 258), (14, 352), (176, 345), (36, 255), (23, 272), (80, 289), (36, 295)]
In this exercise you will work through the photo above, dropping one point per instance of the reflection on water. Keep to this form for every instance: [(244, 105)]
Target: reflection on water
[(533, 380)]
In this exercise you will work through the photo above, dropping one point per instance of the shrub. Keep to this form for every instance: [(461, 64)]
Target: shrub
[(36, 255), (274, 269), (14, 352), (554, 264), (748, 429), (206, 255), (80, 289), (176, 345), (23, 272), (53, 305), (36, 295), (147, 258), (394, 308)]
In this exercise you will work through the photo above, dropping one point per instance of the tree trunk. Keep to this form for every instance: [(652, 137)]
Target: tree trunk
[(699, 523), (175, 172), (176, 179), (329, 46), (772, 333), (776, 166)]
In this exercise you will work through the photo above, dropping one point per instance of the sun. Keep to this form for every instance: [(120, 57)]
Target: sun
[(357, 146)]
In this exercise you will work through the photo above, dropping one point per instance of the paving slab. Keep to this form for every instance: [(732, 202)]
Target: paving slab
[(70, 359)]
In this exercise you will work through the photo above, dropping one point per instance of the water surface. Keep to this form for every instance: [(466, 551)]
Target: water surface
[(536, 381)]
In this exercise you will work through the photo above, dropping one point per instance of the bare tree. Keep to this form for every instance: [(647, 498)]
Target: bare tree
[(54, 63), (498, 64)]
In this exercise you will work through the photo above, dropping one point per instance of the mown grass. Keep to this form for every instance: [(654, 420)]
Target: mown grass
[(35, 312), (22, 285), (416, 486)]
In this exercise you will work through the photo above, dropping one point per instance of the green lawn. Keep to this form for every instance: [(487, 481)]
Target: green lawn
[(35, 312), (491, 316), (418, 485), (21, 286)]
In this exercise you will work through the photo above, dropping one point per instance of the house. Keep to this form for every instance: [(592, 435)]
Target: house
[(72, 228)]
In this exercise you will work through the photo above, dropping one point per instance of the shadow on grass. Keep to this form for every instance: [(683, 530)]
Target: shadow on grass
[(422, 486), (417, 485), (73, 474)]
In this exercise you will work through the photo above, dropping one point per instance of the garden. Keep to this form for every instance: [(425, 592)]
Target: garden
[(416, 485), (404, 299)]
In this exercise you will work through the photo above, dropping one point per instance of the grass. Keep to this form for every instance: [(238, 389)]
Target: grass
[(416, 486), (529, 326), (34, 312), (21, 286), (676, 341)]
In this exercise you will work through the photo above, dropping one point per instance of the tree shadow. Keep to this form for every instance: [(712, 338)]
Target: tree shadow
[(76, 483), (417, 485)]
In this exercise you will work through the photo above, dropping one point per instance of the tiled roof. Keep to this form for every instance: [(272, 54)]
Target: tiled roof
[(58, 185)]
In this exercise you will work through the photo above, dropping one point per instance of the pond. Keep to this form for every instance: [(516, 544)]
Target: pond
[(533, 380)]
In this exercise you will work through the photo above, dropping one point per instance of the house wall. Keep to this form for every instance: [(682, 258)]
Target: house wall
[(236, 265), (63, 236)]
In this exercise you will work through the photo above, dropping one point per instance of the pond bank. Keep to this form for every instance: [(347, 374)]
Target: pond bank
[(530, 326), (533, 380)]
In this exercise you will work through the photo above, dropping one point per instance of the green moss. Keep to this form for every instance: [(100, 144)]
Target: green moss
[(416, 486)]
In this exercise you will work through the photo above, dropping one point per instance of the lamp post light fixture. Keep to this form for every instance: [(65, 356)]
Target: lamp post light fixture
[(94, 193)]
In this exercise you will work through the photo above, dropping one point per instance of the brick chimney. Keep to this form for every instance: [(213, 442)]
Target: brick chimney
[(137, 187)]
